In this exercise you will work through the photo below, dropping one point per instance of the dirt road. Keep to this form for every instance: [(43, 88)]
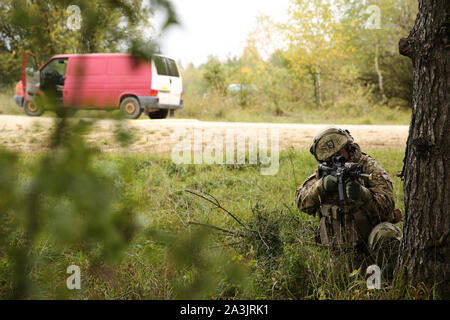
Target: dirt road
[(160, 136)]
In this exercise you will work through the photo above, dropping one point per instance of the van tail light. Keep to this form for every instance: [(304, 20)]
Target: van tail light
[(153, 93)]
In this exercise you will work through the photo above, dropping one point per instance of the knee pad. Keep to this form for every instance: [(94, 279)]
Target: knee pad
[(384, 232)]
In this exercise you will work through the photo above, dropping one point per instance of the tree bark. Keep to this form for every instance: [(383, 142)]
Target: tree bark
[(425, 248)]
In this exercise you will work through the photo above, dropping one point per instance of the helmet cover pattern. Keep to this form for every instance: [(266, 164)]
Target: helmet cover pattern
[(329, 141)]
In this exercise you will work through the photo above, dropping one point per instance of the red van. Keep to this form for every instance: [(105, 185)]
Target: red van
[(100, 81)]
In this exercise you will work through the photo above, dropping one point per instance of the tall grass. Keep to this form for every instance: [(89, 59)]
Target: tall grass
[(169, 257), (7, 104), (350, 109)]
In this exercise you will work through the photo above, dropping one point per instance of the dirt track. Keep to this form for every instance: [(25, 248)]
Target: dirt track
[(158, 136)]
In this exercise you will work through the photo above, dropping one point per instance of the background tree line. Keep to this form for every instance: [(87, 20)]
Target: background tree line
[(328, 54)]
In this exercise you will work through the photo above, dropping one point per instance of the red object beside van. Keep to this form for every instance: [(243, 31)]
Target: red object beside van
[(100, 81)]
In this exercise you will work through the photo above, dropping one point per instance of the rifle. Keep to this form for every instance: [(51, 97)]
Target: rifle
[(344, 171)]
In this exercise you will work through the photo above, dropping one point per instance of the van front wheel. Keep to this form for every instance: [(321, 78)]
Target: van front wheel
[(130, 108), (160, 114), (32, 109)]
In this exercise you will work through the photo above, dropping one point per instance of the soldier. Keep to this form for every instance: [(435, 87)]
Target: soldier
[(362, 223)]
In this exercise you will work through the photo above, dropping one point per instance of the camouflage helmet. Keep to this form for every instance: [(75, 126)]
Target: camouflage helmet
[(329, 141), (384, 231)]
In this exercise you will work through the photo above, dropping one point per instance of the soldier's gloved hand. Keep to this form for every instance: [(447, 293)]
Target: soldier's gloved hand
[(330, 184), (356, 192)]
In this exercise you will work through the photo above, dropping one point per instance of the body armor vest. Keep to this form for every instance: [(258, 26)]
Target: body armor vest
[(343, 226)]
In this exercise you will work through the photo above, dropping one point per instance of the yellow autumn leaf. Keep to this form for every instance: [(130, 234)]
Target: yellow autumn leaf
[(246, 69)]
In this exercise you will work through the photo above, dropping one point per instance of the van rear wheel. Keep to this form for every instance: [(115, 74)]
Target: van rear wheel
[(130, 108), (32, 109), (160, 114)]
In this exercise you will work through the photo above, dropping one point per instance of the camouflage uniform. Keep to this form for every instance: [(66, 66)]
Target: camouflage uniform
[(350, 224)]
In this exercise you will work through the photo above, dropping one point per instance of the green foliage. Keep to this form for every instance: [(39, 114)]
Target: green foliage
[(397, 19), (64, 199), (264, 237), (314, 43), (214, 75), (42, 27)]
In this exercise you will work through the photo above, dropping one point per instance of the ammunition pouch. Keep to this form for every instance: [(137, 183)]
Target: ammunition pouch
[(343, 226)]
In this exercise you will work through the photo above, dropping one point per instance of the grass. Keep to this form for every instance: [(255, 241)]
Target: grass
[(216, 108), (169, 258), (7, 104), (349, 110)]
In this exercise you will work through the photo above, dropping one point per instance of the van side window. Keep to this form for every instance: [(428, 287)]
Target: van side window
[(161, 67), (173, 70)]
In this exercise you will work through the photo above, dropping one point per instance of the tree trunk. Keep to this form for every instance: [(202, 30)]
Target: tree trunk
[(425, 248), (380, 77), (319, 86)]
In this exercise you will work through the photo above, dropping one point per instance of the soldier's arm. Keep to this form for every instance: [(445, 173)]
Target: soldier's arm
[(380, 196), (308, 196)]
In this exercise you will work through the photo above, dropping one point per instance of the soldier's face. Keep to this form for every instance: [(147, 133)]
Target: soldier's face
[(343, 152)]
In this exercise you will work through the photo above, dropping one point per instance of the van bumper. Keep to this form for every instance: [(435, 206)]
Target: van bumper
[(18, 100), (153, 103)]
